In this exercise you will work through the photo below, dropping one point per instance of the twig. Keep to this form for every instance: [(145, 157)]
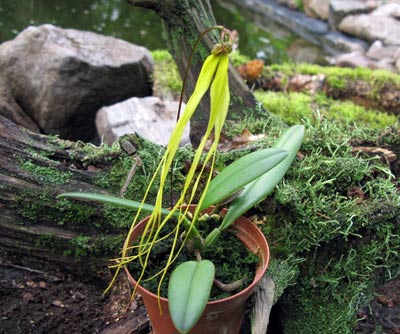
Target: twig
[(230, 286), (52, 278), (25, 268), (137, 163)]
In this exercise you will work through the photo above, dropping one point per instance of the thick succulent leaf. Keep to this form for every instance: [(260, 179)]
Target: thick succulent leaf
[(108, 199), (188, 292), (261, 187), (241, 172)]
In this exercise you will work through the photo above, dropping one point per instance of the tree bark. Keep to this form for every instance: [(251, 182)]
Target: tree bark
[(184, 21), (35, 230)]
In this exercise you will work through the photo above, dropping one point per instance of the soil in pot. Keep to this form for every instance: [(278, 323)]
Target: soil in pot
[(232, 260)]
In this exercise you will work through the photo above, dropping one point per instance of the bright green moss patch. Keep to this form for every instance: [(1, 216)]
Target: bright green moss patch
[(301, 107), (166, 77), (238, 59)]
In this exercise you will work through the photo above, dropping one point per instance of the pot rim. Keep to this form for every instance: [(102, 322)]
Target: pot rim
[(261, 269)]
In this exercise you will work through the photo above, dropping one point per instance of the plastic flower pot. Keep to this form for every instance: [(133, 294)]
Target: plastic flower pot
[(224, 316)]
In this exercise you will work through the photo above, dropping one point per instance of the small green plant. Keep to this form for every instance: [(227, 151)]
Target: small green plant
[(239, 186)]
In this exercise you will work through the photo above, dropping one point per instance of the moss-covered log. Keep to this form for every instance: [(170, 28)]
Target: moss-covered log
[(38, 230), (184, 21), (371, 89)]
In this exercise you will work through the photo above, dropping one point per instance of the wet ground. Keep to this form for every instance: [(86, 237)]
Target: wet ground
[(34, 302)]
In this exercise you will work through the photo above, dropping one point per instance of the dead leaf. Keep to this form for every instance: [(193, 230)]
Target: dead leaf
[(355, 192), (237, 142), (251, 70), (385, 301)]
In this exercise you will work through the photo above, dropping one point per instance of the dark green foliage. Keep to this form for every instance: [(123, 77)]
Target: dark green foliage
[(231, 259)]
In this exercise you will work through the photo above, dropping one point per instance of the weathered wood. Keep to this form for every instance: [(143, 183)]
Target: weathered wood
[(26, 159), (263, 296), (184, 21)]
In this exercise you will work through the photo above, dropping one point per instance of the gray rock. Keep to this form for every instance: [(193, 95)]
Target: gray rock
[(12, 111), (397, 61), (344, 44), (372, 28), (302, 51), (339, 9), (379, 51), (150, 117), (267, 12), (354, 59), (61, 77), (387, 64)]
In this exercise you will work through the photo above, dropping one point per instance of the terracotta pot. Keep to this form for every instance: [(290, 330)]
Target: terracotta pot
[(223, 316)]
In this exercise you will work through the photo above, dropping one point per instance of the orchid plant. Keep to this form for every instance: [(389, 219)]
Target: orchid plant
[(242, 184)]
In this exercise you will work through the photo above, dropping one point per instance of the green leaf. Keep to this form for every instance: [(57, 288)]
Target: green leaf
[(241, 172), (265, 184), (108, 199), (188, 292)]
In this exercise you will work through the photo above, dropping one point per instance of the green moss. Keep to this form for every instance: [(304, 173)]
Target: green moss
[(311, 313), (116, 176), (46, 175), (337, 74), (237, 59), (48, 241), (292, 107), (300, 5), (301, 107), (89, 154), (347, 243), (82, 245), (284, 273), (349, 112), (337, 82), (166, 76), (374, 83), (38, 207)]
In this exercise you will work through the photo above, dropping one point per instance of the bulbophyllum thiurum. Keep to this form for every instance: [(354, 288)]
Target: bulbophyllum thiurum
[(238, 187)]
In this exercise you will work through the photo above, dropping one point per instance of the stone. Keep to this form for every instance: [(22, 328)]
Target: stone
[(343, 44), (317, 8), (354, 59), (397, 61), (387, 64), (379, 51), (389, 9), (292, 4), (61, 77), (149, 117), (10, 109), (339, 9), (302, 51), (372, 28)]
